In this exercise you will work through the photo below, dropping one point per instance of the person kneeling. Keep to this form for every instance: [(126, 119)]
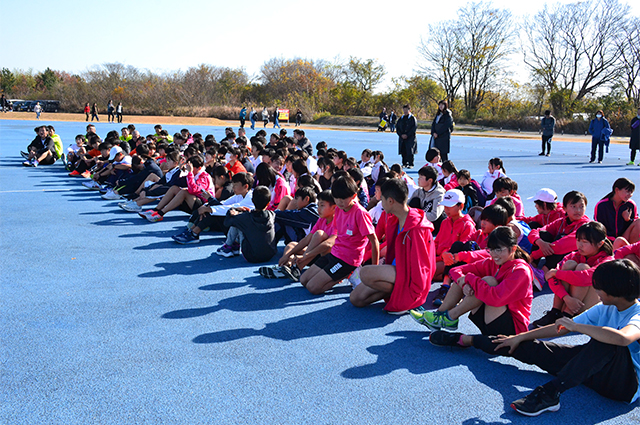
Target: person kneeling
[(405, 278)]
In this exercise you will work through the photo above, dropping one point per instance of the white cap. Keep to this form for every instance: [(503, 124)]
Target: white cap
[(113, 152), (545, 195), (452, 198)]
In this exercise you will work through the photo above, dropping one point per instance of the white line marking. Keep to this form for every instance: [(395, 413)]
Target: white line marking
[(35, 190)]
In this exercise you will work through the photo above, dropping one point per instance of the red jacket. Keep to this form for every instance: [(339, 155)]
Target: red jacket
[(562, 228), (623, 251), (514, 289), (576, 278), (452, 231), (414, 252), (544, 219)]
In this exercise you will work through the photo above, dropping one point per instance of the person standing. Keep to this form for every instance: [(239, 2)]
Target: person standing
[(441, 129), (119, 112), (547, 125), (634, 141), (596, 127), (110, 111), (393, 118), (265, 116), (252, 118), (276, 118), (37, 109), (87, 111), (4, 103), (298, 117), (407, 142), (243, 116), (94, 112)]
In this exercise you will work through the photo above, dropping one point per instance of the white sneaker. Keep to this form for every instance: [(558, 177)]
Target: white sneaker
[(111, 195), (131, 206), (91, 185)]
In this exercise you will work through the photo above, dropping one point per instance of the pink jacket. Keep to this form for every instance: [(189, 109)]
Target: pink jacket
[(623, 251), (514, 289), (452, 231), (202, 181), (280, 189), (561, 227), (414, 252), (580, 278), (544, 219)]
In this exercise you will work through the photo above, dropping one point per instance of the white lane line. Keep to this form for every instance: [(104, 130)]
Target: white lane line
[(35, 190)]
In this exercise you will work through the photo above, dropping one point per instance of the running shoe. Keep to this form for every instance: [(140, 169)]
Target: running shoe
[(440, 294), (28, 164), (445, 339), (86, 174), (130, 206), (434, 320), (155, 217), (292, 272), (92, 185), (631, 163), (64, 162), (146, 214), (186, 238), (549, 318), (24, 155), (111, 195), (272, 272), (539, 401), (74, 173), (225, 251)]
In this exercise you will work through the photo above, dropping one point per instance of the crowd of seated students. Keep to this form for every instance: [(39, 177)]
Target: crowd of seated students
[(371, 226)]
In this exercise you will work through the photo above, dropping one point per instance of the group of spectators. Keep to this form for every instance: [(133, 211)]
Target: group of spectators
[(371, 225)]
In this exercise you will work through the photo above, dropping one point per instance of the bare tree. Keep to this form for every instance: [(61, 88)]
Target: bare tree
[(630, 58), (442, 61), (364, 74), (486, 44), (574, 49), (468, 53)]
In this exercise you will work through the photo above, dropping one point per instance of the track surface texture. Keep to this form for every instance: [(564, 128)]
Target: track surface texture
[(105, 320)]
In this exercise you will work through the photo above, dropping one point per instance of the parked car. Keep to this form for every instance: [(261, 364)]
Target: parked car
[(50, 105), (28, 106), (17, 105)]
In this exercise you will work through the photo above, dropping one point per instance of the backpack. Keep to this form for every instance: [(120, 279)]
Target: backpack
[(482, 196)]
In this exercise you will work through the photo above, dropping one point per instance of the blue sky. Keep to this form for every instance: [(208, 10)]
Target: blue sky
[(166, 35)]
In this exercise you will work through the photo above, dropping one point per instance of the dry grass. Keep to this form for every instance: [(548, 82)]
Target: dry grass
[(127, 119)]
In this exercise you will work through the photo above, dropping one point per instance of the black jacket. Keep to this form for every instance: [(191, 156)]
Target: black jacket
[(259, 235), (301, 221), (443, 129), (407, 125)]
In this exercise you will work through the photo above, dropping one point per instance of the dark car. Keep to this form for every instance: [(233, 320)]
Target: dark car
[(49, 105), (28, 106), (17, 105)]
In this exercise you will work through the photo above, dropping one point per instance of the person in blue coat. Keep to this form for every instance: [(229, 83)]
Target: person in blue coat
[(596, 126)]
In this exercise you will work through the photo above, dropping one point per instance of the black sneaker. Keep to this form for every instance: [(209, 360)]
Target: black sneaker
[(24, 155), (539, 401), (440, 294), (292, 272), (445, 339), (541, 154), (549, 318)]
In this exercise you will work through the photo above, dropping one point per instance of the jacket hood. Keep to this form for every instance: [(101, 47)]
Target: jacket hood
[(416, 219), (264, 220)]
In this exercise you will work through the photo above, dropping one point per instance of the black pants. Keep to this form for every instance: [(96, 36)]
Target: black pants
[(213, 223), (546, 144), (242, 122), (597, 144), (633, 155), (606, 368), (552, 260)]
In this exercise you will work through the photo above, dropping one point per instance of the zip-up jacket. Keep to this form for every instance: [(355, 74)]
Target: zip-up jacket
[(607, 214), (576, 278), (564, 231), (514, 289)]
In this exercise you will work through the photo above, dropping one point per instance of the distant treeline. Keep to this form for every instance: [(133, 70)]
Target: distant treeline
[(581, 57)]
